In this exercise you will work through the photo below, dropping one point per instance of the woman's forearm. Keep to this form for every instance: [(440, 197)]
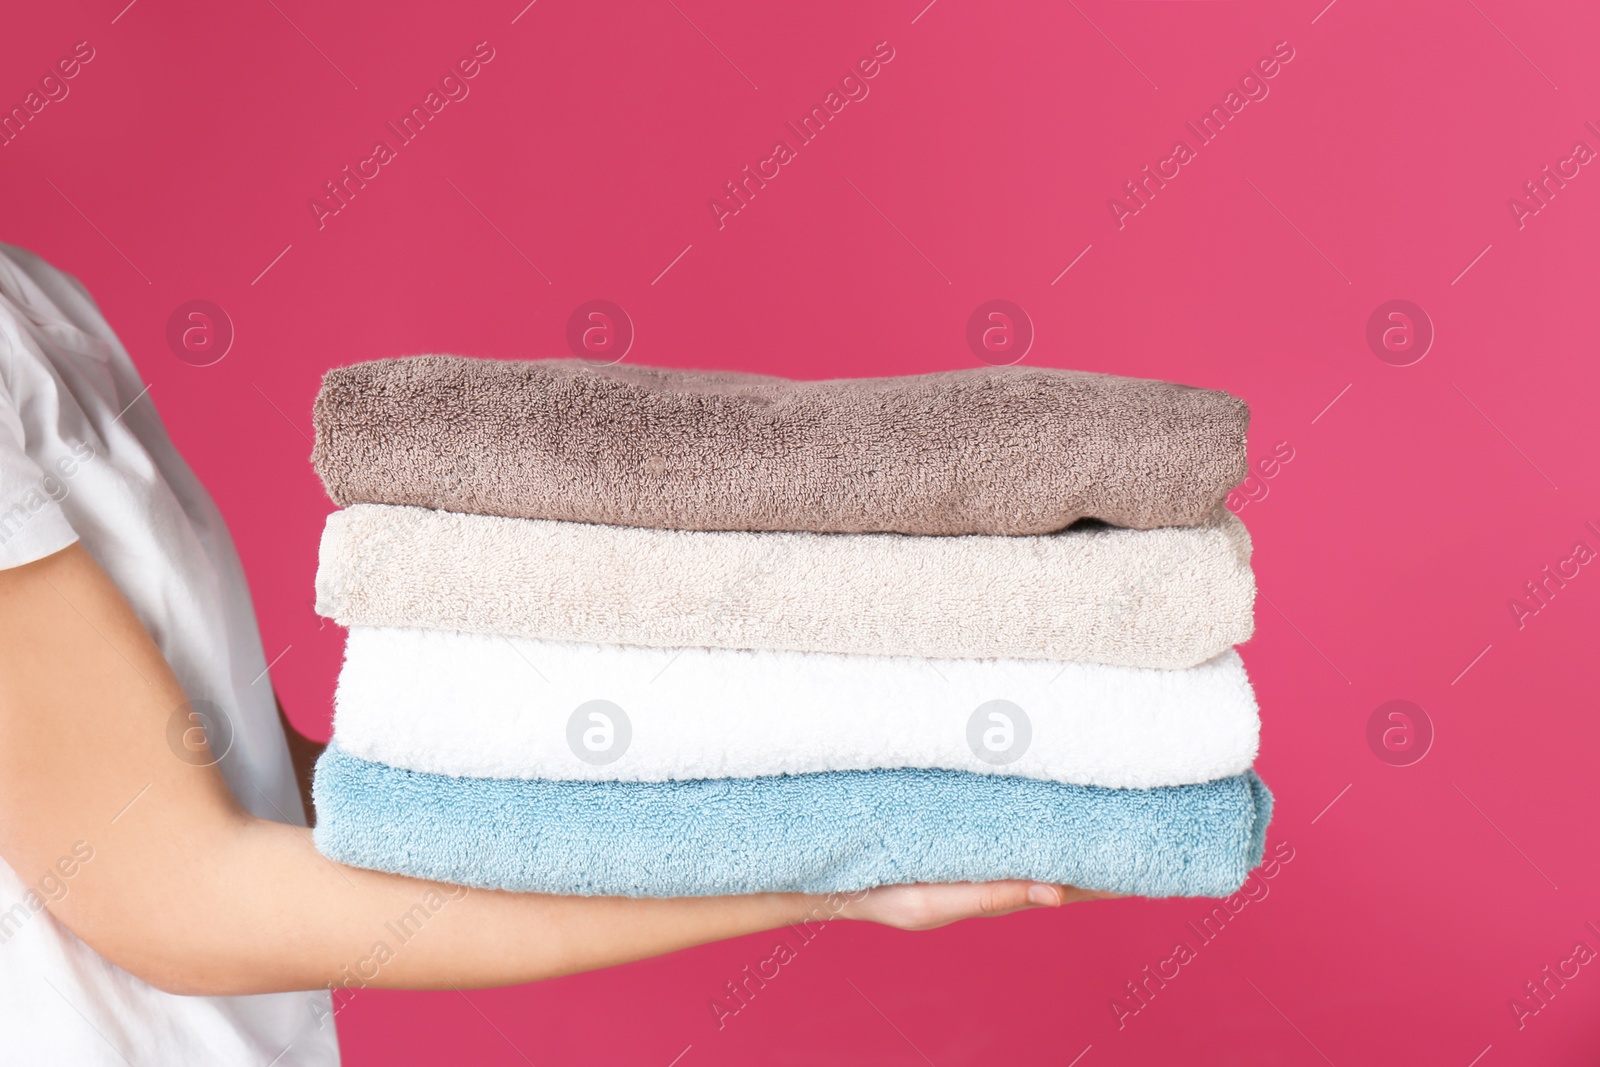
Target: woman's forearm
[(172, 880), (150, 859), (243, 905), (262, 911)]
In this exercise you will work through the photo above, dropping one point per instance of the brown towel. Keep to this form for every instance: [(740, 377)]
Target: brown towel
[(992, 450)]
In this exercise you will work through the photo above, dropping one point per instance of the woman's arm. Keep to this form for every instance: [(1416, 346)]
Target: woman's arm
[(194, 895)]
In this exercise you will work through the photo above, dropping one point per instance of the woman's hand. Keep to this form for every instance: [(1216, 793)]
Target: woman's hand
[(925, 907)]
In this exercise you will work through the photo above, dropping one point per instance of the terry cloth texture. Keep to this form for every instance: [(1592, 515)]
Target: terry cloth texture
[(839, 831), (1157, 598), (482, 706), (991, 450)]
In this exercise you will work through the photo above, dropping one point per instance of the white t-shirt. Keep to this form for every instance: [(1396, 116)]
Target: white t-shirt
[(83, 456)]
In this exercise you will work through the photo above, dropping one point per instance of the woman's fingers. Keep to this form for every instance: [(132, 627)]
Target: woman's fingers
[(1073, 893), (924, 907), (1039, 895), (1046, 896)]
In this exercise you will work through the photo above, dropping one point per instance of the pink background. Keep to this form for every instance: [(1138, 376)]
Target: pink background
[(980, 166)]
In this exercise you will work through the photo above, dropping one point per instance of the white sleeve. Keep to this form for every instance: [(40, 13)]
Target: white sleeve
[(32, 524)]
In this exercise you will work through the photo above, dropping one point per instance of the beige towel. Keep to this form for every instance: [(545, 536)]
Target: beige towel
[(1096, 594), (993, 450)]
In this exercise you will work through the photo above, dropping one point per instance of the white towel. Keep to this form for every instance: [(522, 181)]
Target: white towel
[(485, 706), (1139, 598)]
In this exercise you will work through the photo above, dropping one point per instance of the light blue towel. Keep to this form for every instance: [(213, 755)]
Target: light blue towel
[(834, 831)]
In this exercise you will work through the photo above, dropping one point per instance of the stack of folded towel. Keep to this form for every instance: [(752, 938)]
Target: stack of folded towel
[(642, 632)]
